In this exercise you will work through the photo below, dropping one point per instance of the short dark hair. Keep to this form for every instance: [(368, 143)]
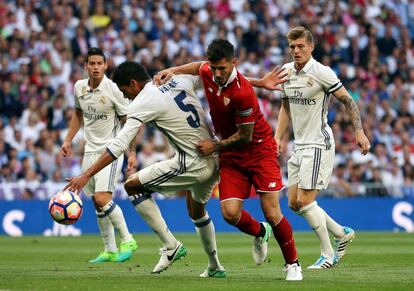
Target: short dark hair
[(129, 70), (220, 49), (95, 51)]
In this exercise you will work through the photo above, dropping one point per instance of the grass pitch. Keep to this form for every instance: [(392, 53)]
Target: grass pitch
[(374, 261)]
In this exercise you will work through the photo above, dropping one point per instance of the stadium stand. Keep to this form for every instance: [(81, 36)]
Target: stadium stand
[(369, 43)]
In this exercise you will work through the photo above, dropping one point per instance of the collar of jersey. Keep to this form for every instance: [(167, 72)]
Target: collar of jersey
[(233, 76), (308, 65), (146, 86), (99, 88)]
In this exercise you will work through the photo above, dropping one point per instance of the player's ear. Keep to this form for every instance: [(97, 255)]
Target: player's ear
[(133, 83), (235, 61)]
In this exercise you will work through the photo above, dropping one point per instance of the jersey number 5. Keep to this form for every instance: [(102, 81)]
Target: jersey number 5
[(193, 121)]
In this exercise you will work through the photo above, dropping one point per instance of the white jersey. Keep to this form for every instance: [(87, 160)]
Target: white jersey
[(172, 108), (101, 109), (309, 92)]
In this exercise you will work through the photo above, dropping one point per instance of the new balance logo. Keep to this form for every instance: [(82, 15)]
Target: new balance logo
[(272, 185)]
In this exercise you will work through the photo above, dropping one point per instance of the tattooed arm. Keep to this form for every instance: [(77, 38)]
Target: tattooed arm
[(242, 136), (352, 108)]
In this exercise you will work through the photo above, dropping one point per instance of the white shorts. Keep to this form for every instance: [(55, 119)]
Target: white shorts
[(106, 179), (167, 177), (311, 168)]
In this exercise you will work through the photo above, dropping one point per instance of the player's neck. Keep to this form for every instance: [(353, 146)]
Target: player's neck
[(94, 83), (299, 67)]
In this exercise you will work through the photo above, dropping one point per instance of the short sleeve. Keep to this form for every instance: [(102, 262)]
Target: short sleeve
[(145, 108), (329, 81), (76, 94), (204, 70), (121, 103), (289, 71), (245, 106)]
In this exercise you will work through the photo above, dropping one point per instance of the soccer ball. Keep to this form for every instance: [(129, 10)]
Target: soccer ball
[(65, 207)]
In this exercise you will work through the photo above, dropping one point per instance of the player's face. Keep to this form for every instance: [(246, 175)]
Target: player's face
[(222, 70), (96, 67), (130, 91), (301, 51)]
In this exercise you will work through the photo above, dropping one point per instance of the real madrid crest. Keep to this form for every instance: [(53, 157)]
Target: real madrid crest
[(102, 99), (310, 82), (226, 100), (84, 90)]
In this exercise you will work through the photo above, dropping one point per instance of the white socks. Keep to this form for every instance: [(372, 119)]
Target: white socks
[(316, 219), (336, 229), (107, 232), (116, 216), (149, 211), (205, 230)]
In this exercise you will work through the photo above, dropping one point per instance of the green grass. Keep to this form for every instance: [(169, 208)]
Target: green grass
[(375, 261)]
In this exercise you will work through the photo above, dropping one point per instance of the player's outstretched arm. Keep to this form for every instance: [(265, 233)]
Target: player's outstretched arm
[(189, 69), (78, 182), (352, 108), (271, 80)]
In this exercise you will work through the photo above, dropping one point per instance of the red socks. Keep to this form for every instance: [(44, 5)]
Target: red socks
[(248, 224), (284, 236)]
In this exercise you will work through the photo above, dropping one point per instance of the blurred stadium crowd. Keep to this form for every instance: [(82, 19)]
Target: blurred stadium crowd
[(369, 43)]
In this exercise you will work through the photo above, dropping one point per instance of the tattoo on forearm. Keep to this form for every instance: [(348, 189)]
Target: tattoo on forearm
[(243, 135), (352, 109)]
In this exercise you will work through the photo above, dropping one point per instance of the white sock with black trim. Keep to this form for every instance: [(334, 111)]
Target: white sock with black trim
[(316, 219), (116, 216), (335, 228), (151, 214), (107, 232), (205, 229)]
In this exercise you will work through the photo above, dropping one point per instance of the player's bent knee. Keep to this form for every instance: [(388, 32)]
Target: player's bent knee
[(231, 217), (132, 186), (302, 203), (197, 211), (101, 200), (293, 205)]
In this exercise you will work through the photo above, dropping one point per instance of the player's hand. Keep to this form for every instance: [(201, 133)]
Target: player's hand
[(163, 77), (362, 141), (66, 149), (279, 146), (273, 79), (206, 147), (132, 163), (76, 183)]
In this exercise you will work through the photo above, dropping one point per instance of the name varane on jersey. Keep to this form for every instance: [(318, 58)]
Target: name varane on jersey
[(174, 109)]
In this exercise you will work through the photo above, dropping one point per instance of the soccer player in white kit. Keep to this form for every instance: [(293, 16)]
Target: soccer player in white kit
[(101, 108), (305, 102), (175, 110)]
